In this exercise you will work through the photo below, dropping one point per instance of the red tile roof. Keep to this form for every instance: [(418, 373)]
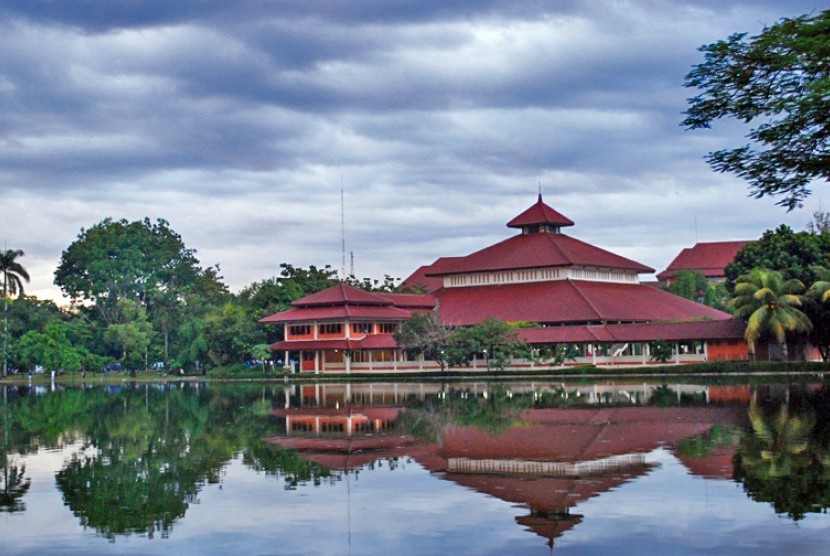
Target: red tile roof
[(425, 278), (567, 301), (709, 259), (410, 301), (347, 312), (536, 251), (347, 302), (340, 294), (540, 214)]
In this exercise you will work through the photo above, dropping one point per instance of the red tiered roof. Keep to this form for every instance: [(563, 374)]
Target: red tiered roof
[(540, 214), (710, 259), (565, 301), (537, 251), (342, 294), (426, 277), (342, 301)]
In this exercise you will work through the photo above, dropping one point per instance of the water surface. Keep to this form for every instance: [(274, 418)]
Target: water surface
[(523, 468)]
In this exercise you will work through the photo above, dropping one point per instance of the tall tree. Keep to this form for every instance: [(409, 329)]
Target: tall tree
[(771, 307), (117, 260), (778, 82), (13, 277)]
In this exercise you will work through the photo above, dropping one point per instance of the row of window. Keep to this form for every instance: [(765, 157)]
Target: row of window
[(536, 275), (336, 329)]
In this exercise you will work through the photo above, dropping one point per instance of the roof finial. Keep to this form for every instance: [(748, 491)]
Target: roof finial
[(540, 192)]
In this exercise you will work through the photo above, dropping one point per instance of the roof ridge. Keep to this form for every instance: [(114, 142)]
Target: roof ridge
[(561, 251), (584, 298)]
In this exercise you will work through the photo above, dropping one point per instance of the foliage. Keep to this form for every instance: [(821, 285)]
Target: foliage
[(147, 450), (388, 284), (493, 339), (130, 334), (770, 305), (13, 272), (117, 260), (13, 277), (817, 309), (661, 351), (794, 254), (51, 348), (276, 294), (777, 81), (784, 460), (423, 334), (690, 284), (229, 334)]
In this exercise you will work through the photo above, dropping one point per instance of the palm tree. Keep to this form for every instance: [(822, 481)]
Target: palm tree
[(770, 306), (13, 276)]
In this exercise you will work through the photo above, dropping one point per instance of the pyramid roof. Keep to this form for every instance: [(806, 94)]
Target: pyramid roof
[(537, 251), (539, 214)]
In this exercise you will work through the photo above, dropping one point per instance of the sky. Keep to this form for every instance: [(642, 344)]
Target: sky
[(239, 123)]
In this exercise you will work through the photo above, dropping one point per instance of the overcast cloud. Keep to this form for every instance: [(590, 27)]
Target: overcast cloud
[(237, 121)]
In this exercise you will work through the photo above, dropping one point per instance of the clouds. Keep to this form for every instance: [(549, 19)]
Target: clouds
[(237, 122)]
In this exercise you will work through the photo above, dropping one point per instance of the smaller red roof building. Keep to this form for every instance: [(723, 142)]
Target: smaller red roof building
[(709, 259)]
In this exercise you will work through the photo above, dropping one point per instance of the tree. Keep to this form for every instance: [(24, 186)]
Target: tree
[(493, 339), (52, 348), (794, 254), (820, 224), (770, 305), (423, 334), (229, 333), (117, 260), (131, 334), (13, 277), (693, 285), (817, 308), (777, 81), (276, 294)]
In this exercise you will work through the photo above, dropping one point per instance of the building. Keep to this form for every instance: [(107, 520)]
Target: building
[(709, 259), (573, 292)]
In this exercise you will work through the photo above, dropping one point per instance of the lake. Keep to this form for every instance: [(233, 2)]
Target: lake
[(622, 467)]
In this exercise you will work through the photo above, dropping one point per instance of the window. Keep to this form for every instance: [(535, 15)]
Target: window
[(331, 329), (387, 328), (299, 330), (362, 327)]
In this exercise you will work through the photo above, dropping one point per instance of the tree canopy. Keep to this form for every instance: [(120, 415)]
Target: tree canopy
[(793, 253), (116, 260), (778, 82)]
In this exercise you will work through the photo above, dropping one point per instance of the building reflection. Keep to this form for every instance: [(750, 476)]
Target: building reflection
[(547, 460)]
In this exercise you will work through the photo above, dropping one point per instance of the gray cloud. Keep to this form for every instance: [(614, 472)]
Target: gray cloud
[(237, 125)]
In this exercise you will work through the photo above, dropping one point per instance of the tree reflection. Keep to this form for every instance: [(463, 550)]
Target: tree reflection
[(784, 459), (144, 451), (286, 463), (15, 486), (494, 412), (149, 457)]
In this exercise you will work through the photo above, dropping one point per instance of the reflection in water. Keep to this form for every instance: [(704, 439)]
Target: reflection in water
[(547, 448), (785, 458), (143, 454)]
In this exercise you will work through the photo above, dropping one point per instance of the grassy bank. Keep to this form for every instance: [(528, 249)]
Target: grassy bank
[(722, 372)]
